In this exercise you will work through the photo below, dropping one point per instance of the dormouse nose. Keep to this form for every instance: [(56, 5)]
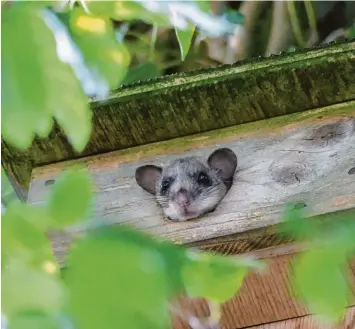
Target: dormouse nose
[(182, 198)]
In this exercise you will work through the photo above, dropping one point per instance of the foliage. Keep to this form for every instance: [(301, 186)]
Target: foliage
[(320, 275), (54, 57), (77, 52), (131, 275)]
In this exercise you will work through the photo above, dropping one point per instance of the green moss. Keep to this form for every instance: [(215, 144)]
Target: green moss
[(253, 128)]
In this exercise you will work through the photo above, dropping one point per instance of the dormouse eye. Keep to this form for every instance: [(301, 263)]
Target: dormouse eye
[(203, 179), (165, 185)]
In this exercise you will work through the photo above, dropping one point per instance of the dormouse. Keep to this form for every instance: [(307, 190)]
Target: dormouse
[(189, 187)]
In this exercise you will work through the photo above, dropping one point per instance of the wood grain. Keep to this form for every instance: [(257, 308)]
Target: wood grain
[(307, 163), (311, 322), (263, 299), (200, 101)]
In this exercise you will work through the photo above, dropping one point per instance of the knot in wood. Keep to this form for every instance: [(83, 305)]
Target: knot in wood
[(331, 134), (290, 173)]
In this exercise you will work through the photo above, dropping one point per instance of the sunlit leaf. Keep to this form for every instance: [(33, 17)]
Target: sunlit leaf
[(127, 280), (145, 71), (95, 37), (128, 11), (23, 77), (184, 37), (319, 280), (36, 85), (26, 288), (215, 277), (70, 199)]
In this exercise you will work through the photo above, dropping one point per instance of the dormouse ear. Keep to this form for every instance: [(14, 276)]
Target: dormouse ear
[(224, 161), (147, 177)]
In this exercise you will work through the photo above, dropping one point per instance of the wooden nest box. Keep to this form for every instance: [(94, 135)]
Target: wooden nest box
[(289, 118)]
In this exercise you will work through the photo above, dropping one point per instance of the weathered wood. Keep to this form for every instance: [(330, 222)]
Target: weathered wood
[(264, 298), (304, 158), (310, 322), (200, 101)]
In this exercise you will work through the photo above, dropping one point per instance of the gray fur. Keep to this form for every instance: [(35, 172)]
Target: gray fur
[(183, 176)]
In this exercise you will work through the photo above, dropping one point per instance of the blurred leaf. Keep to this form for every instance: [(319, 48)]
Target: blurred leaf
[(352, 32), (8, 193), (72, 111), (184, 38), (31, 82), (23, 237), (295, 225), (204, 6), (95, 37), (215, 277), (128, 281), (319, 280), (33, 320), (25, 288), (23, 75), (145, 71), (6, 187), (71, 197), (235, 16), (127, 11)]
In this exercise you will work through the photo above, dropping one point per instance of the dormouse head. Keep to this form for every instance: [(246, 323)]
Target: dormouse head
[(190, 187)]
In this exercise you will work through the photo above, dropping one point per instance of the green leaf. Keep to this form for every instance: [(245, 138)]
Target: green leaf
[(184, 38), (33, 320), (95, 37), (145, 71), (23, 77), (215, 277), (127, 11), (205, 6), (352, 32), (295, 225), (25, 288), (319, 280), (32, 79), (23, 236), (70, 199), (8, 193), (128, 281), (235, 16)]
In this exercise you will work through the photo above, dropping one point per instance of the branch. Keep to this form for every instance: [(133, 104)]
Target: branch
[(280, 35), (295, 24), (238, 45)]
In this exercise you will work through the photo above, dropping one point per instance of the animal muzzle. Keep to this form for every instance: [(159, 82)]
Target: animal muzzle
[(183, 198)]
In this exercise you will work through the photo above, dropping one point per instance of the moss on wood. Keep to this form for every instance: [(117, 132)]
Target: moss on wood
[(213, 137)]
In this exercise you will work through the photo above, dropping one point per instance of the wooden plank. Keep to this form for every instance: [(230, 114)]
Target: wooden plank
[(308, 161), (310, 322), (200, 101), (263, 298)]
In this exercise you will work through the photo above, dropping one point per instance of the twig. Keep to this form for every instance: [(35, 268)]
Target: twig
[(216, 47), (314, 37), (280, 36), (238, 45), (295, 23), (153, 41), (334, 35)]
